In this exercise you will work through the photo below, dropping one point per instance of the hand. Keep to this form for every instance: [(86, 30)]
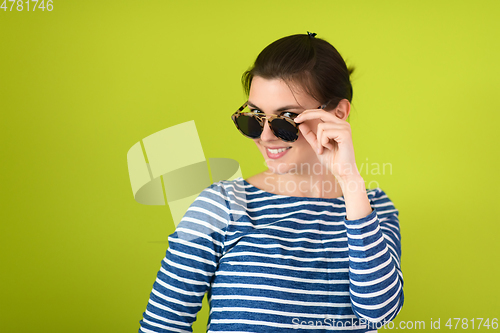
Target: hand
[(334, 134)]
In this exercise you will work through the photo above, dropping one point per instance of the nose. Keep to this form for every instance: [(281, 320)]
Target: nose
[(267, 134)]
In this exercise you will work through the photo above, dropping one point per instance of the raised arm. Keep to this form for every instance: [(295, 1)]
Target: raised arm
[(376, 280), (189, 264)]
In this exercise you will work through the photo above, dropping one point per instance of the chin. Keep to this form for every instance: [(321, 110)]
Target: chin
[(281, 168)]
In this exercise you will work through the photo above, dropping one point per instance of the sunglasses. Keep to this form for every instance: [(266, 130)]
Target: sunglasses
[(251, 124)]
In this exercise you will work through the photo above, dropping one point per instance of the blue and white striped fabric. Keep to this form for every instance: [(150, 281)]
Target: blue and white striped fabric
[(275, 263)]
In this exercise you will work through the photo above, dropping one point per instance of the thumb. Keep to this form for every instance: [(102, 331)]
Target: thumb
[(309, 135)]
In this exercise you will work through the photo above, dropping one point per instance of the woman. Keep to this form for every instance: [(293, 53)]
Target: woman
[(303, 245)]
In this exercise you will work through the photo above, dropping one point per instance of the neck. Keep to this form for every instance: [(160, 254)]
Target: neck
[(312, 184)]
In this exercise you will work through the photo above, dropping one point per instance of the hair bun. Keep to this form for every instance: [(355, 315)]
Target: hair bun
[(311, 34)]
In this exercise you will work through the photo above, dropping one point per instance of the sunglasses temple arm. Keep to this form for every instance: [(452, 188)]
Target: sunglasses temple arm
[(242, 107), (324, 105)]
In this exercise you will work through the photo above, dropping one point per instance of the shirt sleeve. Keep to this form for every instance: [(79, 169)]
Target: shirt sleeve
[(189, 264), (376, 280)]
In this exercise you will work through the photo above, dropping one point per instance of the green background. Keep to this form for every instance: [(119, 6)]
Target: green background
[(81, 84)]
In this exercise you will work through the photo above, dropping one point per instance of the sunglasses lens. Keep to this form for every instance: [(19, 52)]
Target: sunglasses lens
[(249, 126), (284, 130)]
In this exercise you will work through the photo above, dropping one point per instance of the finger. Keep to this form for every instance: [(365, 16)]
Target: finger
[(331, 126), (326, 145), (319, 138), (337, 135), (322, 138), (325, 134), (325, 142), (317, 114), (309, 135)]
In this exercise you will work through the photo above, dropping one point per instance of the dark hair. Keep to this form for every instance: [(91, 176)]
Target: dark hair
[(312, 63)]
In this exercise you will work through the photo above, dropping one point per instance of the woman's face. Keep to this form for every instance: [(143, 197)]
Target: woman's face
[(269, 96)]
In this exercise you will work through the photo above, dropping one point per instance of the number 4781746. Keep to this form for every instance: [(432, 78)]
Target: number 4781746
[(474, 323), (21, 5)]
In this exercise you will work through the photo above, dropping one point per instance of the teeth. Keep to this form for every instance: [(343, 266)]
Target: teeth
[(276, 151)]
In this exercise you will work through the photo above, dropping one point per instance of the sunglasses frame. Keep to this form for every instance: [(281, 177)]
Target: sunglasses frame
[(260, 118)]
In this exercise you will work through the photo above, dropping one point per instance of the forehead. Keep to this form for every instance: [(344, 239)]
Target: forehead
[(274, 93)]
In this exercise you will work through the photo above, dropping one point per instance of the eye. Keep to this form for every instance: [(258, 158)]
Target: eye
[(255, 110), (289, 114)]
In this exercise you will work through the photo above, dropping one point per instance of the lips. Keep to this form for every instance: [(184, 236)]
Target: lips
[(274, 152)]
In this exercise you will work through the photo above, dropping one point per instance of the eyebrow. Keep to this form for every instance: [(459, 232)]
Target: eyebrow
[(284, 108)]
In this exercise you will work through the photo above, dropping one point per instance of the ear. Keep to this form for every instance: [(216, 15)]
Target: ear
[(342, 110)]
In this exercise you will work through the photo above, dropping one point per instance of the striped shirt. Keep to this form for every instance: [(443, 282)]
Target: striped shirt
[(276, 263)]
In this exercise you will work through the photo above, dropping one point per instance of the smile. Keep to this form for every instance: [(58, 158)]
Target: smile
[(277, 151)]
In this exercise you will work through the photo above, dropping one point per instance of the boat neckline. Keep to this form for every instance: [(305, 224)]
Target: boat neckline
[(341, 198)]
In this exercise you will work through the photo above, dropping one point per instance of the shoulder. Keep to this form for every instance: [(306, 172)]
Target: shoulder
[(381, 202), (376, 193), (210, 210), (229, 193), (228, 190)]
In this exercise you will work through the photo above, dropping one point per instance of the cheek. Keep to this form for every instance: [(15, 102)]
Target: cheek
[(302, 144), (260, 147)]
